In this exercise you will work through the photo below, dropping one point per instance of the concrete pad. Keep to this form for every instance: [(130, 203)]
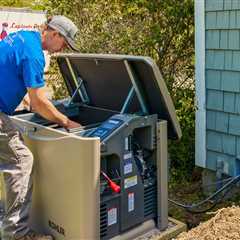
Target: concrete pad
[(175, 227)]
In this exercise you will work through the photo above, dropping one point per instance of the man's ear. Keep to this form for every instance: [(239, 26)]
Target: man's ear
[(55, 33)]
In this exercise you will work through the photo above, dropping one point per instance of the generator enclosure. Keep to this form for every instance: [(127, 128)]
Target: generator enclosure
[(107, 179)]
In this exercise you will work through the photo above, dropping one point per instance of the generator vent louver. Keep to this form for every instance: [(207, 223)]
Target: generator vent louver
[(103, 220), (150, 200)]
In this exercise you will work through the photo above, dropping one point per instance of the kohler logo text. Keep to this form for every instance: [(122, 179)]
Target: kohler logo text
[(56, 227)]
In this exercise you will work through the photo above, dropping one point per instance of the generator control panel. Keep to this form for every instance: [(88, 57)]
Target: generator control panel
[(106, 128)]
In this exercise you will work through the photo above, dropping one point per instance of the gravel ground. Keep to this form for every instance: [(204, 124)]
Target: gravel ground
[(225, 225), (155, 233)]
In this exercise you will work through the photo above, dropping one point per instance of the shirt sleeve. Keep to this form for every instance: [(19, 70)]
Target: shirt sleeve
[(33, 73)]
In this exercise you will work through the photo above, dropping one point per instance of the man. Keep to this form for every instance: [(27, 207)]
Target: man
[(21, 71)]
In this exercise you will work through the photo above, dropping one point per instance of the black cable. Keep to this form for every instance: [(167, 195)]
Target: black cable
[(190, 207), (219, 200), (208, 198)]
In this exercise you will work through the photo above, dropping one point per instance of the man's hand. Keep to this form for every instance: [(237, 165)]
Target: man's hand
[(72, 124), (46, 109)]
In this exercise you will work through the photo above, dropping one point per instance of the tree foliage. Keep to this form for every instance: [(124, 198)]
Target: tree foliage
[(30, 4), (163, 30), (160, 29)]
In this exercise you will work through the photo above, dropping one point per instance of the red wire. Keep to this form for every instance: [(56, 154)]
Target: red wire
[(112, 184)]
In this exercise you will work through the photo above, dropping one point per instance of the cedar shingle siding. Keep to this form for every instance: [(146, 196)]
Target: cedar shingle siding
[(222, 74)]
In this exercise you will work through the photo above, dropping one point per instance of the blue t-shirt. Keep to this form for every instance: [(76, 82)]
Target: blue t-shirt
[(21, 66)]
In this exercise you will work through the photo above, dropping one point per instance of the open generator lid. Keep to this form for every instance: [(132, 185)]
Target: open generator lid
[(122, 83)]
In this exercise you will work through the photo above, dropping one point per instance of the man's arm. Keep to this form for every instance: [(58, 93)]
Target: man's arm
[(46, 109), (26, 103)]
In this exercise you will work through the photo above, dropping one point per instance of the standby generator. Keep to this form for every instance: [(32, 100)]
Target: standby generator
[(107, 179)]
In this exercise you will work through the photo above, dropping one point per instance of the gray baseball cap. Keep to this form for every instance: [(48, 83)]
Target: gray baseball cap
[(66, 28)]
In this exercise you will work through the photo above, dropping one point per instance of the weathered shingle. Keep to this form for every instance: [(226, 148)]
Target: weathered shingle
[(233, 39), (222, 20), (222, 122), (214, 100), (235, 4), (212, 5), (237, 19), (211, 20), (213, 79), (211, 120), (236, 61), (227, 5), (230, 81), (234, 124), (238, 147), (232, 19), (212, 39), (215, 59), (229, 102), (237, 103), (212, 160), (229, 144), (218, 59), (228, 60), (214, 141), (223, 39)]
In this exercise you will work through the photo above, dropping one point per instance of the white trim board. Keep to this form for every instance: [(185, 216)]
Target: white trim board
[(200, 129)]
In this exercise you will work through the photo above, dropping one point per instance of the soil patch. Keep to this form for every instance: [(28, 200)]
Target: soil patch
[(225, 225)]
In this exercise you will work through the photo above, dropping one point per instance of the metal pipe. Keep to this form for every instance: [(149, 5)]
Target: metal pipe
[(128, 101), (162, 175), (77, 84), (136, 87)]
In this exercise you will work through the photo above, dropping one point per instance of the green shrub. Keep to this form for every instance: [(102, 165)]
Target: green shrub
[(182, 152), (163, 30)]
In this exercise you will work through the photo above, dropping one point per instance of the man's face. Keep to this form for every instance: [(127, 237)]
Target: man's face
[(55, 42)]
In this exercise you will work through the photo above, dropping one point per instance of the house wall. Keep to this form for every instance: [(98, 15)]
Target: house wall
[(222, 85)]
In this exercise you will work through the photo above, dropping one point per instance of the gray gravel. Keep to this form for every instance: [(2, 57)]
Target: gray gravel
[(155, 233)]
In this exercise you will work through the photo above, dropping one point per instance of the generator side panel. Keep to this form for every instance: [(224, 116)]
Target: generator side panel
[(129, 160)]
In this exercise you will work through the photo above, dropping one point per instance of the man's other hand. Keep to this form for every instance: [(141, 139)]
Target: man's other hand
[(71, 124)]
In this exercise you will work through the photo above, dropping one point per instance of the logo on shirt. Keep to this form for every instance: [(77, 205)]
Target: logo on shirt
[(4, 31), (10, 38)]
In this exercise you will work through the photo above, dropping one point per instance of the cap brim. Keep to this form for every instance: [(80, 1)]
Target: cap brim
[(69, 41), (71, 44)]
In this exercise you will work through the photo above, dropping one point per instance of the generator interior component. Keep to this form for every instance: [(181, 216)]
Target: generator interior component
[(108, 178), (114, 187)]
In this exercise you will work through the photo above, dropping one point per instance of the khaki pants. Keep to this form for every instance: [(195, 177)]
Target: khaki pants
[(16, 162)]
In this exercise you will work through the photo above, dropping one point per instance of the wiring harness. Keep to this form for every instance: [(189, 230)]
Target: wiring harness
[(194, 207)]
